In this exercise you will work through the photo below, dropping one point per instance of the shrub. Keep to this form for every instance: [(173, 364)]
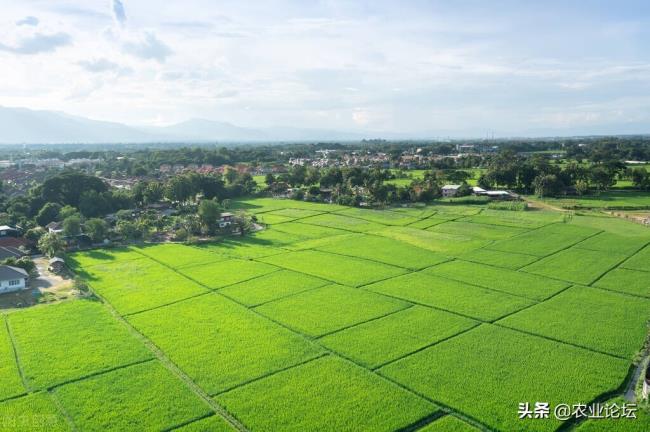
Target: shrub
[(508, 205)]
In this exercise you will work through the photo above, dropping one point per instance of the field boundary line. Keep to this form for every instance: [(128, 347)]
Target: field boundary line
[(617, 266), (126, 315), (432, 344), (402, 309), (59, 406), (327, 283), (14, 347), (602, 288), (370, 259), (187, 422), (424, 421), (270, 374), (99, 373)]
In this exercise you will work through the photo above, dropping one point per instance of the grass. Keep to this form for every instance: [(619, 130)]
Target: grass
[(428, 222), (508, 281), (70, 340), (570, 317), (177, 255), (341, 397), (576, 265), (507, 260), (12, 384), (336, 268), (141, 397), (294, 213), (529, 219), (639, 261), (272, 218), (508, 205), (271, 287), (450, 295), (306, 231), (476, 230), (385, 250), (546, 240), (330, 308), (220, 344), (447, 244), (626, 281), (136, 285), (605, 200), (210, 424), (220, 274), (36, 412), (248, 247), (396, 335), (488, 371), (342, 222)]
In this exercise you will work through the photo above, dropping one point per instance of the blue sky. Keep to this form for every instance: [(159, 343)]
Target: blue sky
[(431, 68)]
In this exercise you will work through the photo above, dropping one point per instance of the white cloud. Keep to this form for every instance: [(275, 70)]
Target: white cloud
[(38, 43), (28, 21), (148, 47), (118, 12)]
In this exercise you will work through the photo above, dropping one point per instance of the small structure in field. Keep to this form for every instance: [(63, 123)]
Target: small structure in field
[(449, 191), (8, 231), (12, 279), (226, 220), (56, 265)]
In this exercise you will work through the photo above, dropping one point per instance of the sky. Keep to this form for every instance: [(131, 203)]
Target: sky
[(420, 67)]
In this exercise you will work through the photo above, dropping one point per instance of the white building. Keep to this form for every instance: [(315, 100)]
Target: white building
[(12, 279), (450, 190)]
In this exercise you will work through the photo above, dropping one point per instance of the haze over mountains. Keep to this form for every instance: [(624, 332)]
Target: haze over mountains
[(25, 126), (21, 125)]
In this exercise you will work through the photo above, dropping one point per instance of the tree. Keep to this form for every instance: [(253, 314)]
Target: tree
[(67, 211), (129, 230), (546, 185), (209, 214), (602, 178), (96, 229), (463, 190), (582, 187), (180, 188), (72, 226), (51, 244), (49, 213), (269, 179)]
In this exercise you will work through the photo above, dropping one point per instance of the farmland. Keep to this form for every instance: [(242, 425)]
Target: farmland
[(424, 318)]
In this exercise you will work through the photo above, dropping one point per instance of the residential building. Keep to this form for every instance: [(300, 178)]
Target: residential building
[(12, 279)]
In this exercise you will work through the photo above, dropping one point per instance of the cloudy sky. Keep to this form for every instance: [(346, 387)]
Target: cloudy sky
[(430, 67)]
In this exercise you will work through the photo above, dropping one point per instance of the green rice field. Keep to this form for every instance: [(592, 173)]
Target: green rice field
[(426, 318)]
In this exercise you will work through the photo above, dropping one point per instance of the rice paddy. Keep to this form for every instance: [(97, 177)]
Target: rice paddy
[(423, 318)]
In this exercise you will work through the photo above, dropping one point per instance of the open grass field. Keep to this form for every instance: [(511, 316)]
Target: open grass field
[(425, 318), (605, 200)]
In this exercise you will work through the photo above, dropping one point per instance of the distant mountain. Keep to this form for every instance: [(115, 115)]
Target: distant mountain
[(21, 125)]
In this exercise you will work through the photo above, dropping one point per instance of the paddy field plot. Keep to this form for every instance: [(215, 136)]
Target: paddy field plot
[(581, 266), (221, 344), (36, 412), (12, 384), (508, 281), (385, 250), (477, 230), (640, 424), (450, 295), (141, 397), (639, 261), (546, 240), (523, 219), (626, 281), (178, 255), (383, 340), (570, 317), (335, 268), (330, 308), (427, 223), (70, 340), (507, 260), (338, 221), (487, 371), (137, 285), (271, 286), (327, 394), (384, 217), (271, 219), (446, 244), (609, 242), (249, 247), (220, 274), (294, 213), (307, 231), (90, 258)]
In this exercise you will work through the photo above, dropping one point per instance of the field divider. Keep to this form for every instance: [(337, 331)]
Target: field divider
[(595, 351), (270, 374), (14, 348), (166, 304), (59, 406), (362, 258), (99, 373), (627, 294), (427, 346), (188, 422), (408, 306), (618, 265), (423, 422)]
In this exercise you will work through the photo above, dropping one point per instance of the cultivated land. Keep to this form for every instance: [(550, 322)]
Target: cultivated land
[(430, 318)]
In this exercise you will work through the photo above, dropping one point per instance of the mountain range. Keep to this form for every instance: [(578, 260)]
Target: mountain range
[(25, 126)]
